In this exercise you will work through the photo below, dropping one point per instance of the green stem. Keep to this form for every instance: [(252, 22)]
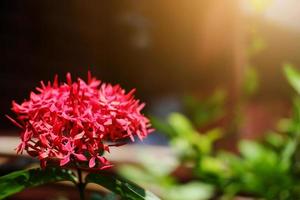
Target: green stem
[(80, 184)]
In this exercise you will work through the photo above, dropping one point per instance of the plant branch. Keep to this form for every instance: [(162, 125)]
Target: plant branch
[(81, 184)]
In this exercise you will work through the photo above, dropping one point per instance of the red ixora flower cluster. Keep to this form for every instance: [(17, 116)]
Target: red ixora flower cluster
[(75, 122)]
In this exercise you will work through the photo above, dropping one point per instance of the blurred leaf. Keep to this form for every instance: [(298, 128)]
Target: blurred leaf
[(212, 165), (187, 136), (284, 125), (250, 149), (265, 172), (255, 153), (214, 134), (251, 81), (181, 125), (275, 139), (161, 126), (17, 181), (191, 191), (293, 76), (206, 141), (119, 185), (203, 111), (288, 152), (296, 117), (182, 148), (232, 161)]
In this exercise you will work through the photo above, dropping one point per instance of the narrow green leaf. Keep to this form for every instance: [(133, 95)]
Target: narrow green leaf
[(288, 152), (17, 181), (293, 76), (119, 185)]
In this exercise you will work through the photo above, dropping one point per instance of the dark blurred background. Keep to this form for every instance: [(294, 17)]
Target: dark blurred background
[(166, 49)]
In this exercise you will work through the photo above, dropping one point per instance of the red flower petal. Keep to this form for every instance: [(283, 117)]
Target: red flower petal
[(79, 136), (92, 162), (65, 160), (80, 157)]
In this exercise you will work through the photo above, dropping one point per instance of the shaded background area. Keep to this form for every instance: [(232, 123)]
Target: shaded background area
[(165, 49)]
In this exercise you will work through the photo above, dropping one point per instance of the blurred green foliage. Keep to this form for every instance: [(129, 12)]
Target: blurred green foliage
[(267, 169), (206, 110)]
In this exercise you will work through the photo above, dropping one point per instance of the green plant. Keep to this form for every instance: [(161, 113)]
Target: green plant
[(266, 169)]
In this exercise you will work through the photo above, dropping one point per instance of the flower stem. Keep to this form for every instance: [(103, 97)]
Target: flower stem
[(80, 184)]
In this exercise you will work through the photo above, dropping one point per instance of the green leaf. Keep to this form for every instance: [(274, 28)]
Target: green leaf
[(255, 152), (184, 128), (203, 111), (182, 148), (212, 165), (250, 149), (296, 117), (161, 126), (17, 181), (293, 76), (275, 139), (205, 141), (119, 185), (288, 153), (181, 124)]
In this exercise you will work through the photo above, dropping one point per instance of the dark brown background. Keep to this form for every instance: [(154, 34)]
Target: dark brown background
[(162, 48)]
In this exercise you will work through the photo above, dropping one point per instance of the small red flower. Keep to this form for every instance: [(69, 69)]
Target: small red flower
[(78, 121)]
